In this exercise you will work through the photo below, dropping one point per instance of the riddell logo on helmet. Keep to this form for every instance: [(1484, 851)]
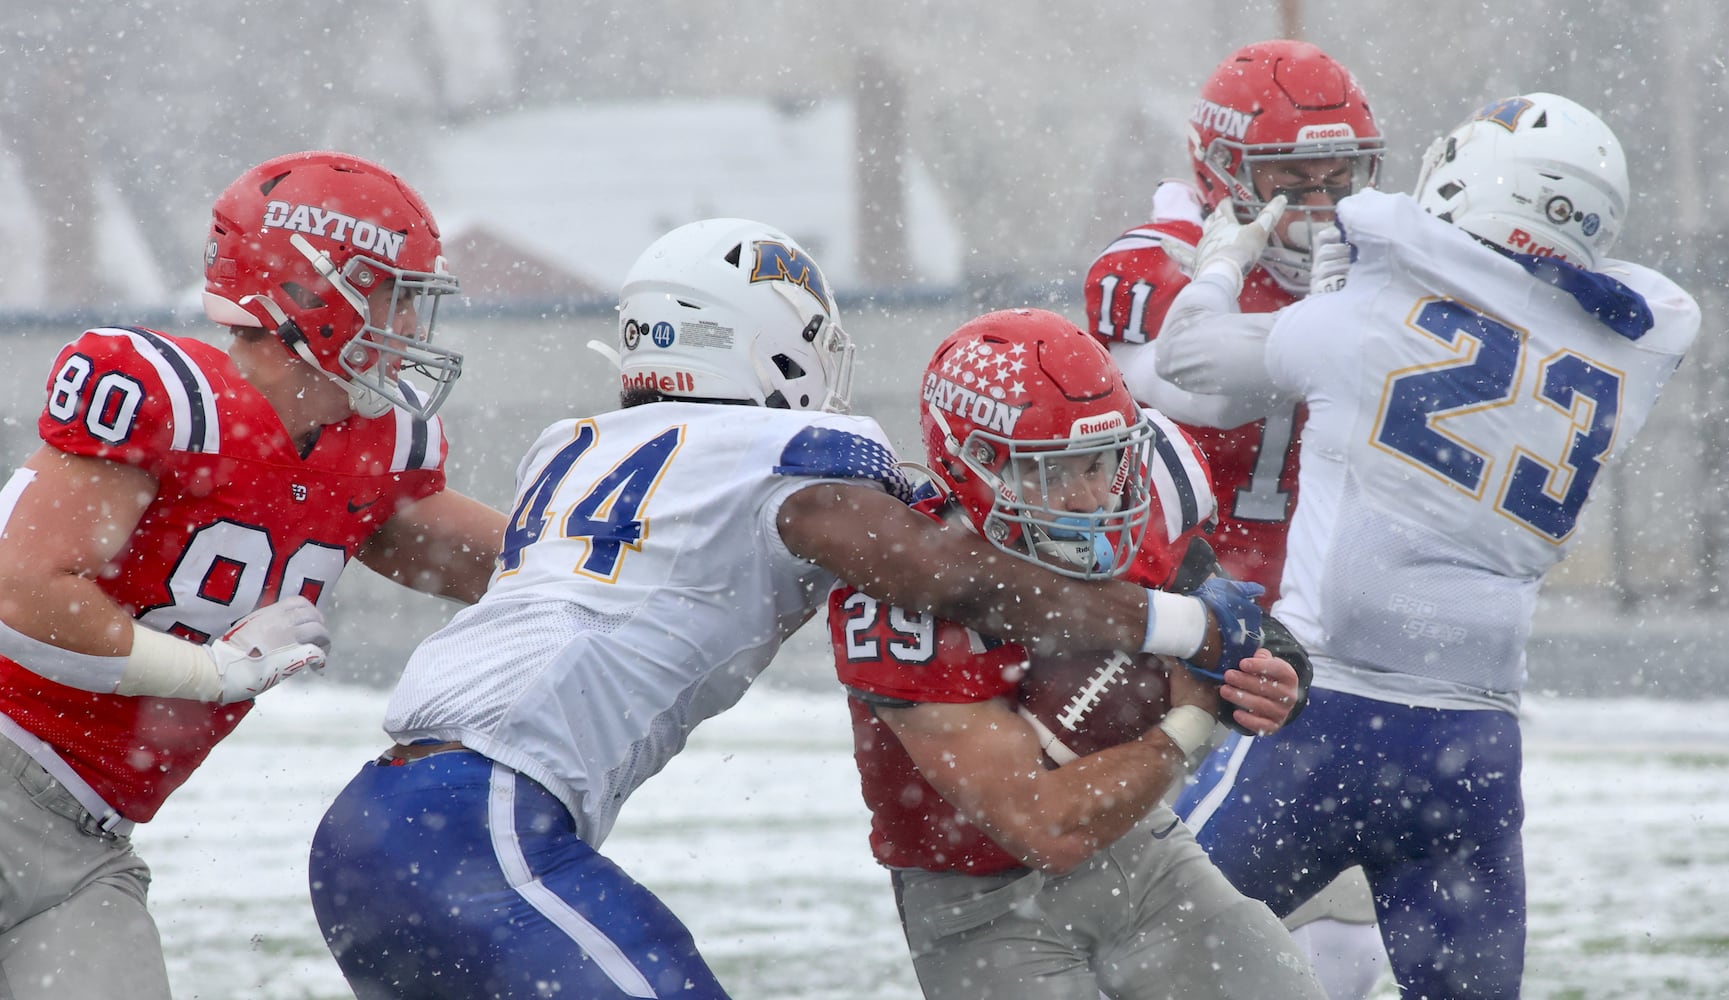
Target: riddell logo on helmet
[(359, 233), (988, 413), (1227, 122), (1093, 425), (675, 383), (1520, 241), (1325, 133)]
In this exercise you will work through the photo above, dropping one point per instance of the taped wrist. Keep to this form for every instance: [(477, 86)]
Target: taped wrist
[(162, 666), (1176, 624), (1188, 727)]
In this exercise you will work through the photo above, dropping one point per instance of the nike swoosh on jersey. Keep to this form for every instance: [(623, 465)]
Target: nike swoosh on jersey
[(355, 508)]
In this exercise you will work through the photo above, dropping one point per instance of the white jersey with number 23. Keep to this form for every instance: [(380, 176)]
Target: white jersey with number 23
[(1462, 407)]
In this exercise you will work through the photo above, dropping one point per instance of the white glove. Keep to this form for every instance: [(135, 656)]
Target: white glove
[(269, 646), (1230, 248), (1329, 261)]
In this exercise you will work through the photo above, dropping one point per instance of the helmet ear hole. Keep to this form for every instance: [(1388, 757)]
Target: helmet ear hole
[(302, 296)]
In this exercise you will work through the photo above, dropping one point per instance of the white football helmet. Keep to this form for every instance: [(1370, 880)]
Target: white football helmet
[(729, 309), (1535, 174)]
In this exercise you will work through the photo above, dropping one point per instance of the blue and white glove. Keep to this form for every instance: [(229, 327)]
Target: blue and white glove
[(1232, 603)]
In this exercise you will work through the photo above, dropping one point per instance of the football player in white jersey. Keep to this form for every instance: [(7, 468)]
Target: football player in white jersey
[(656, 557), (1483, 362)]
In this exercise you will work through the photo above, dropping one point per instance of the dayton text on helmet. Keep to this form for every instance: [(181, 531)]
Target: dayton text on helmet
[(359, 233)]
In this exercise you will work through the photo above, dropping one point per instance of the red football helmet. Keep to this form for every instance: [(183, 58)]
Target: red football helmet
[(1273, 102), (302, 245), (1027, 422)]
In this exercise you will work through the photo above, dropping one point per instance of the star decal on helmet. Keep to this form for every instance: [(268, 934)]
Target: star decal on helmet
[(990, 371)]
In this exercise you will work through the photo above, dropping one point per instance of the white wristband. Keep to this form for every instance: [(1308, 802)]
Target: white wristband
[(1176, 624), (163, 666), (1188, 727)]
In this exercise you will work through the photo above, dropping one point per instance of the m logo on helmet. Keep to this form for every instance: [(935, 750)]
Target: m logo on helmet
[(1504, 113), (779, 262), (364, 236)]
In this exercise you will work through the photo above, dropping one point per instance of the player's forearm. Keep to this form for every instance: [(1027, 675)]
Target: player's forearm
[(905, 559), (446, 545), (1138, 364), (66, 630), (1078, 809), (1207, 346)]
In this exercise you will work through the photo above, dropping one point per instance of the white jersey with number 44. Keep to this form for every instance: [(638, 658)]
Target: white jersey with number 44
[(1462, 407), (643, 586)]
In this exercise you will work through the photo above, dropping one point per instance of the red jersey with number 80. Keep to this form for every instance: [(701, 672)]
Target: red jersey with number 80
[(239, 519), (1129, 289)]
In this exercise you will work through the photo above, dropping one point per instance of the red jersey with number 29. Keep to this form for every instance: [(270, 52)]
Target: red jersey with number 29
[(239, 519), (1129, 289), (887, 655)]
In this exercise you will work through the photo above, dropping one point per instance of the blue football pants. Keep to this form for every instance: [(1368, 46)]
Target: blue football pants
[(453, 877), (1426, 800)]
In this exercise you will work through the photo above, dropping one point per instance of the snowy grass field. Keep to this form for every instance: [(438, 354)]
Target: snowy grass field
[(756, 837)]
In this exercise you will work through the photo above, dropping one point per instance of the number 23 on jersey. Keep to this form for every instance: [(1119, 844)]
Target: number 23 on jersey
[(1545, 483)]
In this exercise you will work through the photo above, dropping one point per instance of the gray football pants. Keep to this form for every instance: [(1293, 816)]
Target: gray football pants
[(1149, 918), (73, 923)]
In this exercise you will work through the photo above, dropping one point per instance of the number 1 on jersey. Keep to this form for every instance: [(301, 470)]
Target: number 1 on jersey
[(609, 515)]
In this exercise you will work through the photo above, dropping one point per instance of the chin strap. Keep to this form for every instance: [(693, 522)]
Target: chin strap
[(362, 400)]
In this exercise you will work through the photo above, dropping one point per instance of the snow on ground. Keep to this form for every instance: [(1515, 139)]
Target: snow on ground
[(756, 836)]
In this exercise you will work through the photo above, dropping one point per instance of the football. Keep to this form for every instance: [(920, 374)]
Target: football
[(1084, 702)]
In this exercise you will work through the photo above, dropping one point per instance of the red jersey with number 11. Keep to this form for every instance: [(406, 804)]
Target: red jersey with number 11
[(1128, 291)]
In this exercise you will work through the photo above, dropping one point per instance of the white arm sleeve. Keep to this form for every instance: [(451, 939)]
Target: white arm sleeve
[(85, 671), (1139, 366), (1208, 346)]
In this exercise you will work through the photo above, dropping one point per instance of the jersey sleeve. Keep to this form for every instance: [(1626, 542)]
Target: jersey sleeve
[(130, 396), (1183, 503), (856, 450), (887, 655), (1131, 284)]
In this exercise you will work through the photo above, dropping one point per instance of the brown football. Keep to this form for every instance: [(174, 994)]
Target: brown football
[(1084, 702)]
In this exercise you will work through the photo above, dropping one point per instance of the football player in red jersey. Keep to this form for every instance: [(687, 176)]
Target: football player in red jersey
[(168, 550), (1275, 119), (1013, 879), (1279, 126)]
